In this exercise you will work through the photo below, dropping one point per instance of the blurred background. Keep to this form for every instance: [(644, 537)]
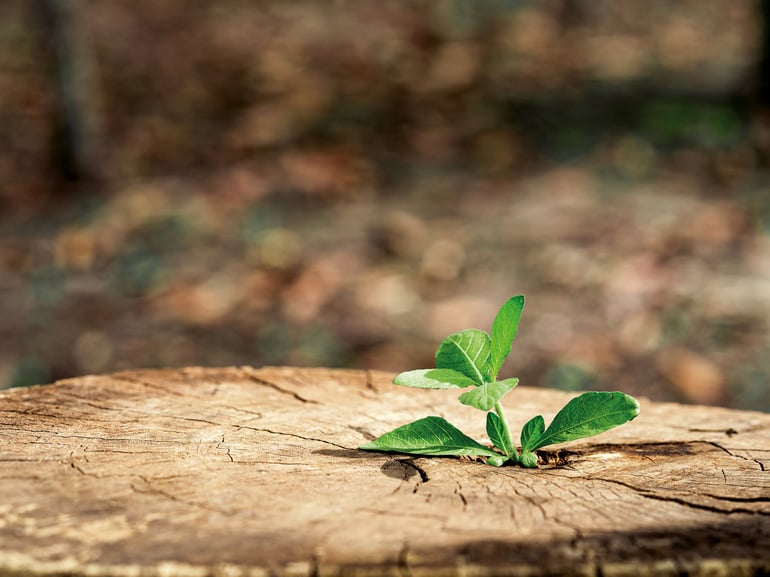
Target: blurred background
[(344, 183)]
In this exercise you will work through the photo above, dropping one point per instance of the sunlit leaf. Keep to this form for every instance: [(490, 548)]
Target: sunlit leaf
[(504, 329), (428, 436), (496, 433), (466, 352), (589, 414), (531, 433), (433, 379)]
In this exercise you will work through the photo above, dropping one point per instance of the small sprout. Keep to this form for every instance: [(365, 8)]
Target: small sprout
[(471, 359)]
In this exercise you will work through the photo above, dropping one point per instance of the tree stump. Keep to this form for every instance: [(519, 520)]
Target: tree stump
[(255, 472)]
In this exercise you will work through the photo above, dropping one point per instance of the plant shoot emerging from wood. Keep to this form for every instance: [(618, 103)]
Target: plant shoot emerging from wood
[(471, 359)]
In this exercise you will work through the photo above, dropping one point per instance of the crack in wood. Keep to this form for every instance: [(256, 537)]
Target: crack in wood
[(150, 490), (59, 435), (648, 494), (730, 432), (532, 501), (295, 435), (249, 373), (30, 412), (194, 420), (119, 439), (459, 492), (562, 458), (255, 414), (729, 452), (219, 446), (75, 418), (80, 400), (702, 506), (125, 377)]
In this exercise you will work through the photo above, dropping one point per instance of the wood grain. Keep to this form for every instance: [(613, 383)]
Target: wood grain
[(242, 471)]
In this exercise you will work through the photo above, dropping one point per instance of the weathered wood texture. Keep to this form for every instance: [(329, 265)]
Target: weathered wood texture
[(241, 471)]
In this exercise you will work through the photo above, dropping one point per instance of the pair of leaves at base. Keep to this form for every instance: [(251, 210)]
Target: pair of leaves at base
[(586, 415)]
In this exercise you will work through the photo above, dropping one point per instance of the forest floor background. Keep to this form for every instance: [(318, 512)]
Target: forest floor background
[(285, 185)]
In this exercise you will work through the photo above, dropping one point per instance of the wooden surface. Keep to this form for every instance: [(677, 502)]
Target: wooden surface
[(242, 471)]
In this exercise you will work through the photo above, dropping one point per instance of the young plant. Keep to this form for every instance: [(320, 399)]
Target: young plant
[(470, 360)]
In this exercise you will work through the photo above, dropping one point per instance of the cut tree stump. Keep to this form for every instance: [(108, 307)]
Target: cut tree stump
[(240, 471)]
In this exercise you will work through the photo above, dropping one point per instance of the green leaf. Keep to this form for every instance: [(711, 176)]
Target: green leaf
[(504, 329), (433, 379), (429, 436), (466, 352), (589, 414), (496, 434), (485, 396), (531, 433)]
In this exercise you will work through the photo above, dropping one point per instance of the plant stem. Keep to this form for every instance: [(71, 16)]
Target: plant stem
[(500, 413)]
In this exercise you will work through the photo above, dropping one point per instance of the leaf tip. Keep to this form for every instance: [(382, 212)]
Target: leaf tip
[(634, 408)]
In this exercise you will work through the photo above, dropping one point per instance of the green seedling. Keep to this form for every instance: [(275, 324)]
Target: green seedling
[(471, 360)]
